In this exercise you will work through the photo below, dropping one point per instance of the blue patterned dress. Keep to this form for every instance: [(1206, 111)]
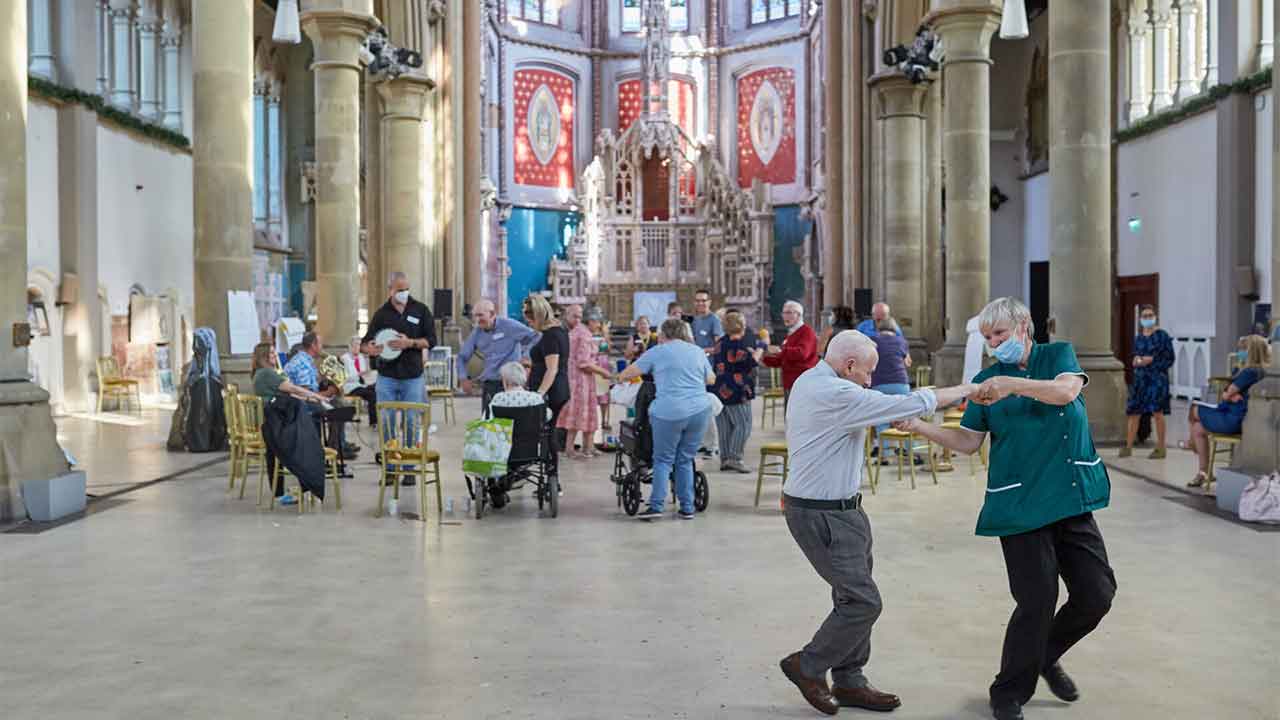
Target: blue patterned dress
[(1150, 392)]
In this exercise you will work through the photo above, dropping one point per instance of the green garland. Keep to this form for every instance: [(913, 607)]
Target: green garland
[(58, 93), (1246, 85)]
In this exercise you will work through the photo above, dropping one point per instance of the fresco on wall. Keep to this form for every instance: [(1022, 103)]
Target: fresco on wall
[(544, 128), (767, 127), (680, 104)]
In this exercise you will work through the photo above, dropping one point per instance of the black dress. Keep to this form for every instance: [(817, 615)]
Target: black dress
[(554, 341)]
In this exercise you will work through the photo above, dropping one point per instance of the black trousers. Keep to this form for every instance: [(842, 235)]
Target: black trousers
[(368, 393), (1036, 637), (488, 388)]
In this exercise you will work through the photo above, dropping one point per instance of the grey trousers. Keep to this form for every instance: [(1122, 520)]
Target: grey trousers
[(838, 545), (734, 426)]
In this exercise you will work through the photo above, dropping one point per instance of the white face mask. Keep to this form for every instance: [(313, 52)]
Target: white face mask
[(402, 297)]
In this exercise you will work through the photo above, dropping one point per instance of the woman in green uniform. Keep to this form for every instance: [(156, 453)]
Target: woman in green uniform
[(1044, 482)]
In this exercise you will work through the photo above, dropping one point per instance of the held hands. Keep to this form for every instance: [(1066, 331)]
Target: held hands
[(773, 350), (993, 390), (466, 385), (908, 426)]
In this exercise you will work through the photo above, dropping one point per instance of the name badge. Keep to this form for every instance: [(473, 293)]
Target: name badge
[(498, 336), (412, 319)]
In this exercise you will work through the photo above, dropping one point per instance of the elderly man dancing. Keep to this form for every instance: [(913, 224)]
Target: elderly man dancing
[(825, 516)]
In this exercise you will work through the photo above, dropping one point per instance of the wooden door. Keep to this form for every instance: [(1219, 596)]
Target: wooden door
[(1132, 292)]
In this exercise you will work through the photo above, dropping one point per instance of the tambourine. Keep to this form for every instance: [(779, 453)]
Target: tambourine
[(384, 338)]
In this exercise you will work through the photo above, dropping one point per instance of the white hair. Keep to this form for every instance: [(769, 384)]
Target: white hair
[(794, 306), (513, 373), (848, 345), (1005, 312), (394, 276)]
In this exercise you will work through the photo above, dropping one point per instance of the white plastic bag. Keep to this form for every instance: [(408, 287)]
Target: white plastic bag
[(716, 405), (1260, 500), (487, 446), (624, 394)]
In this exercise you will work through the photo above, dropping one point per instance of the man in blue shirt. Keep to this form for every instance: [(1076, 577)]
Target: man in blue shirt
[(879, 312), (500, 340), (301, 371), (706, 324)]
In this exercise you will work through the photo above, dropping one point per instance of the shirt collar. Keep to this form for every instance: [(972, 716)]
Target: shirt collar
[(793, 328)]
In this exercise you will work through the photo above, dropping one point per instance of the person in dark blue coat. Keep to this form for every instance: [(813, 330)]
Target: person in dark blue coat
[(1152, 358), (1227, 417)]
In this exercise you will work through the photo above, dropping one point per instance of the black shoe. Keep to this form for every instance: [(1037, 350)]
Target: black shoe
[(1006, 710), (1060, 683), (649, 514), (408, 481), (686, 514)]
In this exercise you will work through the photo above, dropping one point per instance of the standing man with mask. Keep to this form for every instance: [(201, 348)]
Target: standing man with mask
[(825, 516), (500, 340), (707, 329), (400, 380)]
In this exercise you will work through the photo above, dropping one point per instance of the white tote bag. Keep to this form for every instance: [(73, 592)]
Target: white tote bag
[(1260, 500)]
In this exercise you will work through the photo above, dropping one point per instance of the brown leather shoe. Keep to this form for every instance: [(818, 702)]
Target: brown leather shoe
[(813, 690), (867, 698)]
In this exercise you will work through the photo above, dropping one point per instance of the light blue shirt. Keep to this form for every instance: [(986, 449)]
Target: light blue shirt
[(706, 330), (868, 327), (827, 426), (508, 341), (680, 371), (301, 371)]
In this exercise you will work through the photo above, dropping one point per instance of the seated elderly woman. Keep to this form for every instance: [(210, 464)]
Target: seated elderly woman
[(1227, 417), (514, 378)]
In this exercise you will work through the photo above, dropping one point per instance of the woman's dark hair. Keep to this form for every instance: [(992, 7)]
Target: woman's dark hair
[(842, 317)]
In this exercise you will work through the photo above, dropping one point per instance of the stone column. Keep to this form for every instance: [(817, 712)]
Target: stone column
[(222, 70), (121, 33), (1188, 81), (1080, 202), (1139, 99), (403, 212), (966, 31), (902, 119), (42, 63), (834, 86), (1212, 22), (260, 149), (933, 299), (149, 27), (1266, 34), (470, 141), (1161, 27), (337, 35), (171, 41), (103, 43), (274, 213), (27, 434)]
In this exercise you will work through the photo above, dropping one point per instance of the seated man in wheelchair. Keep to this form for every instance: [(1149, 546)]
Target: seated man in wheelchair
[(533, 455)]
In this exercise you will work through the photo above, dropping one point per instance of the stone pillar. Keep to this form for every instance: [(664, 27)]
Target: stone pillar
[(1139, 99), (1266, 34), (274, 138), (902, 119), (171, 41), (1080, 202), (261, 148), (121, 35), (103, 43), (470, 140), (1212, 21), (966, 31), (834, 86), (1188, 81), (27, 433), (403, 222), (222, 69), (42, 63), (1161, 27), (933, 299), (149, 27), (337, 35)]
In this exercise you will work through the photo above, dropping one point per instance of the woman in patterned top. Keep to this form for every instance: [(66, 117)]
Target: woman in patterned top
[(734, 361), (1152, 358)]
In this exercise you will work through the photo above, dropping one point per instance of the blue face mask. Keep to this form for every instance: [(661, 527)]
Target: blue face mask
[(1009, 352), (1242, 355), (1147, 322)]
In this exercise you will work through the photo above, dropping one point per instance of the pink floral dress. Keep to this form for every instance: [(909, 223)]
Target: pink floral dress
[(582, 414)]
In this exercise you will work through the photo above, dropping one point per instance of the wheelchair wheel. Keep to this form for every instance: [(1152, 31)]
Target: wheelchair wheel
[(631, 496), (701, 491), (498, 497), (552, 489)]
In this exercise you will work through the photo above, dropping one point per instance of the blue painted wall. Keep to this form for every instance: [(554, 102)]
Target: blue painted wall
[(534, 236), (788, 236)]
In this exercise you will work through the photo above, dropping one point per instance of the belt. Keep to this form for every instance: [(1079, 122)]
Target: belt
[(852, 503)]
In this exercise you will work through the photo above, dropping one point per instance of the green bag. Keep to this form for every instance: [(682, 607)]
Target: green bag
[(487, 446)]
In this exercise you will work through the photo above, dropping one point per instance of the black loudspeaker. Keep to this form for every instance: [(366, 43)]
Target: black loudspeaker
[(442, 303), (862, 302)]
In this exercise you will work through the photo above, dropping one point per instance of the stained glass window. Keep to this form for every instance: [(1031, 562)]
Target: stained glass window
[(763, 11), (631, 19), (633, 15), (546, 12), (678, 18), (759, 11)]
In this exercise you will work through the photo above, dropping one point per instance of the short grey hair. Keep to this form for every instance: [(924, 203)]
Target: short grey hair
[(1007, 312), (676, 329), (848, 345), (795, 306), (513, 373), (395, 275)]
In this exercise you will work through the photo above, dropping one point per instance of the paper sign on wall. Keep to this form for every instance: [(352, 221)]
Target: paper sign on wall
[(242, 321)]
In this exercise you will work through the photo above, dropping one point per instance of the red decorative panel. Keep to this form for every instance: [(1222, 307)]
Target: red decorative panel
[(681, 104), (543, 128), (767, 126)]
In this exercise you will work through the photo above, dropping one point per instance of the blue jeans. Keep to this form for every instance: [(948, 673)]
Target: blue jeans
[(396, 390), (674, 445), (891, 389)]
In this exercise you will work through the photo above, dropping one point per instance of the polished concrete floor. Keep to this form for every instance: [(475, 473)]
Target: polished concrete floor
[(176, 600)]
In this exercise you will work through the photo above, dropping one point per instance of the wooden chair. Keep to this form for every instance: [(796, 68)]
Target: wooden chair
[(1229, 444), (112, 383), (403, 436), (773, 463), (231, 409), (443, 393), (773, 398), (907, 444), (921, 375), (253, 447), (305, 498), (872, 478)]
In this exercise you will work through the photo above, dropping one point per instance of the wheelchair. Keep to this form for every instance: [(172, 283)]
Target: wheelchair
[(531, 461), (633, 463)]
